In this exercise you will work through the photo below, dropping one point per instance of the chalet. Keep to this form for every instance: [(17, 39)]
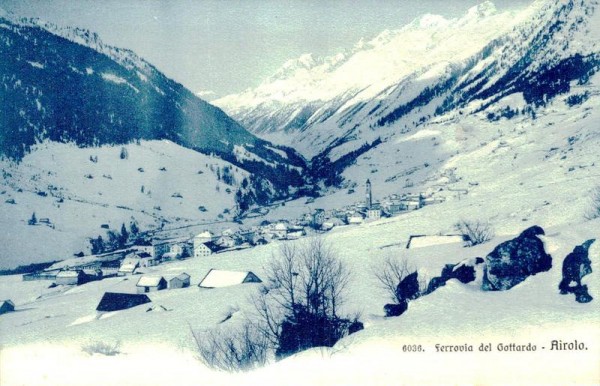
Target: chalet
[(204, 237), (128, 267), (113, 301), (295, 235), (180, 281), (225, 242), (146, 259), (216, 278), (355, 218), (280, 230), (71, 277), (6, 306), (207, 249), (151, 284)]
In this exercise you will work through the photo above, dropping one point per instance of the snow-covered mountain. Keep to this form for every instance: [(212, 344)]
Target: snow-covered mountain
[(498, 64), (65, 85)]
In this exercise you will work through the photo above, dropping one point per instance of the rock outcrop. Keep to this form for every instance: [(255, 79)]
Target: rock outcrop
[(513, 261)]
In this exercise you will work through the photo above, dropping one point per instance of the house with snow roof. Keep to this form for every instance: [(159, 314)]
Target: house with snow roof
[(71, 277), (151, 284), (207, 249), (180, 281), (217, 278)]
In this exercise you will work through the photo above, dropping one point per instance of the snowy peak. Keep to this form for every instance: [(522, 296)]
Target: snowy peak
[(293, 99), (404, 78)]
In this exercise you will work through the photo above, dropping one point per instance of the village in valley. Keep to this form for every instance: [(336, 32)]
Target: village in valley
[(151, 249)]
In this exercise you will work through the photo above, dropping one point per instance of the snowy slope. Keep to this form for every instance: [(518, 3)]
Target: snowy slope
[(79, 189), (61, 321)]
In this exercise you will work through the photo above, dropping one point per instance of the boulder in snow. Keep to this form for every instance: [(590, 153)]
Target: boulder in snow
[(511, 262)]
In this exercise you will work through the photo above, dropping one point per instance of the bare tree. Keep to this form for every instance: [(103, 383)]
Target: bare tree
[(390, 273), (474, 232), (240, 349), (299, 304), (594, 210)]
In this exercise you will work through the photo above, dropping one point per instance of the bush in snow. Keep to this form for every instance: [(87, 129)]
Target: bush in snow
[(474, 232), (240, 349), (102, 348), (390, 273), (594, 210)]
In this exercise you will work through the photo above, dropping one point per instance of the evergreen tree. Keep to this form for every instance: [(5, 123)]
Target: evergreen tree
[(124, 236)]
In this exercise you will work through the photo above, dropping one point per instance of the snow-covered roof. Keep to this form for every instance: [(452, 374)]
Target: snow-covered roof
[(68, 274), (149, 281), (129, 266), (205, 234), (8, 302), (216, 278), (281, 226), (170, 255), (421, 241)]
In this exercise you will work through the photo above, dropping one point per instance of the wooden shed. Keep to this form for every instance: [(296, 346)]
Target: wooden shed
[(180, 281), (151, 284)]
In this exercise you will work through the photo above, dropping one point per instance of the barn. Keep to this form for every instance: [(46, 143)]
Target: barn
[(114, 301), (74, 277), (180, 281), (151, 284), (6, 306), (216, 278)]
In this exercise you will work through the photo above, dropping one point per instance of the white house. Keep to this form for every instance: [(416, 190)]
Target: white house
[(206, 249), (151, 284), (374, 212), (216, 278), (226, 242)]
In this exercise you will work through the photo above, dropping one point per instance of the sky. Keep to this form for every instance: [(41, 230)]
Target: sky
[(219, 47)]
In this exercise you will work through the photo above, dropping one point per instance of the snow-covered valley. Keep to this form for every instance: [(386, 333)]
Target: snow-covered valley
[(491, 118)]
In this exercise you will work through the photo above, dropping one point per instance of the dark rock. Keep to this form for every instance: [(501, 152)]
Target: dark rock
[(408, 288), (511, 262), (464, 273), (436, 283), (479, 260), (395, 309), (576, 265), (356, 326)]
